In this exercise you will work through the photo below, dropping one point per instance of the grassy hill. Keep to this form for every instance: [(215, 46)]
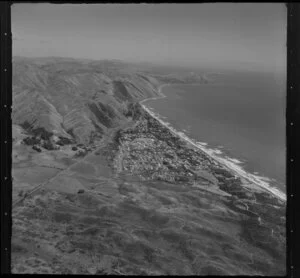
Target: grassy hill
[(76, 98)]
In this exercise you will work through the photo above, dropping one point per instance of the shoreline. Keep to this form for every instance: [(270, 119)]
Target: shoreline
[(229, 165), (159, 91)]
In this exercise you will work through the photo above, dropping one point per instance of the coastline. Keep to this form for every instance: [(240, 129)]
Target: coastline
[(237, 170), (159, 91), (149, 222)]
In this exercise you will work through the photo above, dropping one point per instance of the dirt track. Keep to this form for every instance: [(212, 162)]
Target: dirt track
[(101, 145)]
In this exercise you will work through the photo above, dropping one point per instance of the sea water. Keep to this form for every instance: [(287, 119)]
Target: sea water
[(240, 116)]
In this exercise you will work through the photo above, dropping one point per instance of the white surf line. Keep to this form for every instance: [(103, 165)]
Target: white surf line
[(223, 161)]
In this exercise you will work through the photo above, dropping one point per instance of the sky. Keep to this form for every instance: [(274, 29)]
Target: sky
[(222, 35)]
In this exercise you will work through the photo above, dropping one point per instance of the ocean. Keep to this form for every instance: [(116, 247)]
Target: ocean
[(238, 117)]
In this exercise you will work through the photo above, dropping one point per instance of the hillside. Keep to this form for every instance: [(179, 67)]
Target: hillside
[(102, 187), (75, 98)]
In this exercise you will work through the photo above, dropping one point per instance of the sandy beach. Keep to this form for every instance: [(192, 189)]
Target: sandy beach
[(258, 183)]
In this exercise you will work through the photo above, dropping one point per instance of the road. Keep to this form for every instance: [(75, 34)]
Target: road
[(102, 144)]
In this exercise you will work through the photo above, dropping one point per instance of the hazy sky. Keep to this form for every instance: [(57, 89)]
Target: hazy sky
[(225, 35)]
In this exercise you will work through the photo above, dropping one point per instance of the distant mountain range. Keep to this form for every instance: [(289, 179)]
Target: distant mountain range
[(81, 98)]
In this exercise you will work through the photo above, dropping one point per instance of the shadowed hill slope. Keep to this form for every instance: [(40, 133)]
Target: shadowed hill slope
[(142, 201), (75, 98)]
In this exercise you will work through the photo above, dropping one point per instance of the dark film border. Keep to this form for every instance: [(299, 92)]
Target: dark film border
[(292, 133), (292, 137), (6, 136)]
